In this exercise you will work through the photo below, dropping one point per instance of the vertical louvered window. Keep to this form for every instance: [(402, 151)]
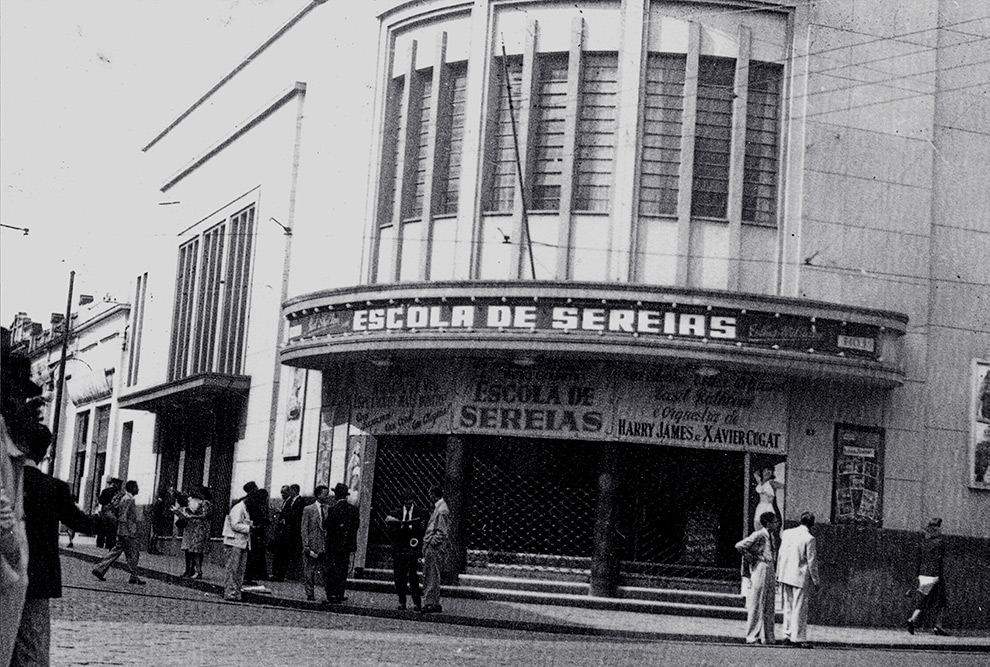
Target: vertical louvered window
[(208, 301), (595, 159), (661, 149), (137, 329), (450, 142), (501, 177), (713, 140), (419, 152), (394, 146), (548, 139), (182, 313), (762, 135), (236, 291)]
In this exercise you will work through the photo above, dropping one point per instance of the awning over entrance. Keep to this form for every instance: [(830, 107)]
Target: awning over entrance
[(191, 393)]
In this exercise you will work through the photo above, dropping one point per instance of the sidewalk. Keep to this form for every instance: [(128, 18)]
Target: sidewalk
[(468, 607)]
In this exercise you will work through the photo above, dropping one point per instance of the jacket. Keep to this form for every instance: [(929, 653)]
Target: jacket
[(237, 527), (407, 536), (797, 560), (127, 517), (311, 530), (341, 526), (438, 529)]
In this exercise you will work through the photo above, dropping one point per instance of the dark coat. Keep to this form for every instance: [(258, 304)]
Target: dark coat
[(341, 526), (407, 536), (48, 501)]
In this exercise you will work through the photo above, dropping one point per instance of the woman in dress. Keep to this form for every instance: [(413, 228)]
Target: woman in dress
[(931, 594), (766, 488), (196, 537)]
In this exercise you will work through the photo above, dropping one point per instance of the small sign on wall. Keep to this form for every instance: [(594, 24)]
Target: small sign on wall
[(858, 476), (979, 441)]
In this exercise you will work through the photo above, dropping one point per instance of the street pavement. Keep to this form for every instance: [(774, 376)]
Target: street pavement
[(175, 607)]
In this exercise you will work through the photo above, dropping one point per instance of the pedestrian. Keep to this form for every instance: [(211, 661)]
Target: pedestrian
[(407, 546), (287, 547), (341, 528), (237, 540), (127, 537), (931, 596), (68, 529), (196, 534), (47, 502), (436, 551), (797, 572), (759, 550), (258, 511), (20, 424), (109, 498), (313, 540)]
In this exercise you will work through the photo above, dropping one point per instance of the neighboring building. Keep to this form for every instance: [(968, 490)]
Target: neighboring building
[(745, 235), (93, 437)]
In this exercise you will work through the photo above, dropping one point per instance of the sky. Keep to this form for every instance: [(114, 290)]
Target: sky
[(84, 85)]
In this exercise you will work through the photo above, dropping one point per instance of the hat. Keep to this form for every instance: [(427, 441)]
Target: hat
[(341, 490)]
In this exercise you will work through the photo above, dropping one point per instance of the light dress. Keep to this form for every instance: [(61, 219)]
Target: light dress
[(767, 491)]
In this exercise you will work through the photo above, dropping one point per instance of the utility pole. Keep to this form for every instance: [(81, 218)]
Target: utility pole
[(61, 374)]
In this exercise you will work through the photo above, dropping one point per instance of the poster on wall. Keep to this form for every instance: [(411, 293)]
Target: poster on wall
[(979, 441), (404, 400), (730, 411), (857, 496), (295, 405)]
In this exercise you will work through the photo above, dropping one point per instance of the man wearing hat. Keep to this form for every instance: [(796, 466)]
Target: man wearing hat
[(341, 527)]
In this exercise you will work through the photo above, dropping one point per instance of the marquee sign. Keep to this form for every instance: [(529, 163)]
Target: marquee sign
[(611, 319)]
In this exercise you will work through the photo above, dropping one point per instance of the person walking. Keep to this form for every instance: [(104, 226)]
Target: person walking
[(759, 550), (47, 502), (341, 528), (237, 540), (931, 595), (107, 537), (313, 540), (797, 572), (127, 537), (196, 535), (436, 548), (408, 526)]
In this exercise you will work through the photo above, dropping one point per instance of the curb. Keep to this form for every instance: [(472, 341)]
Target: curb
[(500, 624)]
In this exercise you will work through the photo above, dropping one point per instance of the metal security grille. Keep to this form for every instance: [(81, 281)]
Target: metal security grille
[(680, 513), (531, 504), (415, 463)]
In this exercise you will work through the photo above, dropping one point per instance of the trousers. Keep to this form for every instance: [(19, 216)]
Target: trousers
[(795, 612), (34, 637), (128, 546), (759, 605)]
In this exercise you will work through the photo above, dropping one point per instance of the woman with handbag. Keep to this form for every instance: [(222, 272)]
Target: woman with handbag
[(931, 579)]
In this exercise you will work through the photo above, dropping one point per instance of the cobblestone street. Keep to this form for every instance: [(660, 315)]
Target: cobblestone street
[(114, 623)]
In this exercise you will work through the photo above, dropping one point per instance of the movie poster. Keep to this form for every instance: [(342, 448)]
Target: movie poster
[(858, 476), (979, 441)]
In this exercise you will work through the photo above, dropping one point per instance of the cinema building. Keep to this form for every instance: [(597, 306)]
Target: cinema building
[(594, 266)]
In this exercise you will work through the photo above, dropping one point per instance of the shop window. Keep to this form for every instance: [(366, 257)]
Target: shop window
[(450, 141), (418, 155), (713, 139), (501, 186), (548, 139), (595, 155), (209, 316), (661, 147), (762, 131)]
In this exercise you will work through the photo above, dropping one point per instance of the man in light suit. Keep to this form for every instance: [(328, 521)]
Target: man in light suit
[(314, 541), (128, 542), (797, 571)]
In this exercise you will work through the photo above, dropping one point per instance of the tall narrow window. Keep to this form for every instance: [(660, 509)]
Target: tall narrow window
[(450, 142), (208, 302), (710, 190), (661, 149), (502, 163), (137, 329), (80, 438), (394, 147), (182, 315), (548, 139), (762, 134), (419, 153), (595, 159), (237, 289)]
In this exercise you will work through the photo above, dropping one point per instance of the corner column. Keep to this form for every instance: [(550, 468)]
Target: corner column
[(605, 557), (455, 481)]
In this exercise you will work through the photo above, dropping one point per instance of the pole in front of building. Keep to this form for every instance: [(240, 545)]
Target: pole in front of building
[(61, 373)]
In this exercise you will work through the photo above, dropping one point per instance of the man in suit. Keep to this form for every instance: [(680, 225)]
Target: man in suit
[(314, 541), (759, 551), (286, 548), (341, 528), (797, 571), (408, 526), (47, 501), (436, 551), (127, 537)]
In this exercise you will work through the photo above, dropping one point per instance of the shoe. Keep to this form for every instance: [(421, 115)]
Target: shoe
[(231, 599), (401, 607), (417, 607), (786, 641), (198, 575), (136, 581), (96, 573), (311, 598), (910, 627), (941, 632), (752, 642)]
